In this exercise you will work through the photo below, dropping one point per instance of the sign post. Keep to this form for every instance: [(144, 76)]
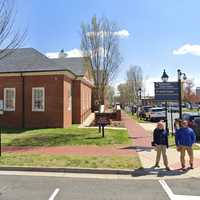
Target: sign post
[(102, 122), (166, 91)]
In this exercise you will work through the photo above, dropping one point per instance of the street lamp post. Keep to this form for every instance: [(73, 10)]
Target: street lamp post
[(140, 94), (180, 74), (165, 78)]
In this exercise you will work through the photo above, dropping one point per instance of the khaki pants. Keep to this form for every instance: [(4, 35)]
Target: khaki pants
[(161, 149), (189, 150)]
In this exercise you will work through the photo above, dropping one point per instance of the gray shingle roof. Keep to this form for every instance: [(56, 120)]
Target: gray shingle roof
[(75, 65), (29, 60)]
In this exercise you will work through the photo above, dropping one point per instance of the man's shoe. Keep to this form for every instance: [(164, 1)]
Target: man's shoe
[(183, 169), (156, 166), (191, 167), (168, 169)]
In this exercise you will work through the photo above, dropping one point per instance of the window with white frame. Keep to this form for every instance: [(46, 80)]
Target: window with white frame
[(69, 98), (9, 99), (38, 99)]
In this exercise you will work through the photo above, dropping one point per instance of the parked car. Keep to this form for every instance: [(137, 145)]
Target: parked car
[(193, 122), (190, 117), (143, 113), (173, 109), (156, 114)]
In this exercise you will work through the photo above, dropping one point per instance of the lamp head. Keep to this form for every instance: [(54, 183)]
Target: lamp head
[(164, 76), (184, 77)]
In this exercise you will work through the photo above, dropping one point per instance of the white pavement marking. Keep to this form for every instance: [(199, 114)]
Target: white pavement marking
[(167, 189), (52, 197), (173, 196)]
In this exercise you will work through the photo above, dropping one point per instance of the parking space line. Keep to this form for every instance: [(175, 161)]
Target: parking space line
[(173, 196), (52, 197), (167, 189)]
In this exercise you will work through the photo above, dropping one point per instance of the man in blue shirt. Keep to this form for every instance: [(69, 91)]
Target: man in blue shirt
[(185, 138)]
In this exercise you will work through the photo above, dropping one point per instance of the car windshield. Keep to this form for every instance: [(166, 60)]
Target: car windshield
[(158, 110), (146, 109)]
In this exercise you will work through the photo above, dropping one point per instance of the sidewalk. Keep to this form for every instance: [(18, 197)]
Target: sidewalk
[(142, 137)]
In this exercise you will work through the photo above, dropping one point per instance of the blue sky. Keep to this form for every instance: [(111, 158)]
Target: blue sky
[(162, 33)]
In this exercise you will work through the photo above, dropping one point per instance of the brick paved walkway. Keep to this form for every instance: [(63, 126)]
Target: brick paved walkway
[(141, 138), (74, 150)]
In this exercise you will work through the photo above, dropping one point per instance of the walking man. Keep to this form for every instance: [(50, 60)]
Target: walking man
[(185, 137)]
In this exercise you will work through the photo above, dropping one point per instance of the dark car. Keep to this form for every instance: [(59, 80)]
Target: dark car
[(143, 112), (193, 122)]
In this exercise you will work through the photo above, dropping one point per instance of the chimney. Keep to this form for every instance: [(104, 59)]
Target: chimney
[(62, 54)]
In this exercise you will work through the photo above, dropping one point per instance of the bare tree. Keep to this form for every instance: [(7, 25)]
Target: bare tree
[(189, 95), (99, 41), (134, 82), (123, 93), (110, 94), (9, 38)]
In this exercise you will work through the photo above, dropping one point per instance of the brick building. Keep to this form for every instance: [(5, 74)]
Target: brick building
[(39, 92)]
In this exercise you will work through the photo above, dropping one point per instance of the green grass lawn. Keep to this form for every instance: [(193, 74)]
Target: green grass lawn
[(34, 160), (61, 136), (190, 110)]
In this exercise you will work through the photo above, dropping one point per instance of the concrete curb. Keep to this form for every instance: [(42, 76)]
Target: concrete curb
[(70, 170), (143, 174)]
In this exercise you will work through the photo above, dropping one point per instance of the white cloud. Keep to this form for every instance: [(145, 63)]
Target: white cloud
[(121, 33), (74, 53), (71, 53), (188, 49), (52, 54)]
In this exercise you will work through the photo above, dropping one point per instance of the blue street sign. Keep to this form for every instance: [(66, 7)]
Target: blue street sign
[(166, 91)]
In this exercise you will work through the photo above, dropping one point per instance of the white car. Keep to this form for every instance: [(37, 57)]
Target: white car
[(156, 114)]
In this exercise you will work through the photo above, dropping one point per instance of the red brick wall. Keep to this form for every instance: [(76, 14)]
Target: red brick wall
[(56, 113), (12, 119), (76, 106), (81, 101), (52, 116), (85, 101)]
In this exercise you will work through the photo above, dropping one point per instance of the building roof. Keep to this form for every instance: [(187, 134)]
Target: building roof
[(31, 60), (76, 65)]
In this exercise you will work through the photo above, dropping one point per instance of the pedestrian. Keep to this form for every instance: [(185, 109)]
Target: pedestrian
[(177, 124), (160, 142), (132, 110), (185, 137)]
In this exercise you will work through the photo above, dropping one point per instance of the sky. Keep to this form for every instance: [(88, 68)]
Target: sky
[(155, 34)]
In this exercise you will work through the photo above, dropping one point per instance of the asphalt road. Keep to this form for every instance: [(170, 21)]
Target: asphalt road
[(22, 187)]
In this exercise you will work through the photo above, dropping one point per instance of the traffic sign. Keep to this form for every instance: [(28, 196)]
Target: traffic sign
[(166, 91)]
